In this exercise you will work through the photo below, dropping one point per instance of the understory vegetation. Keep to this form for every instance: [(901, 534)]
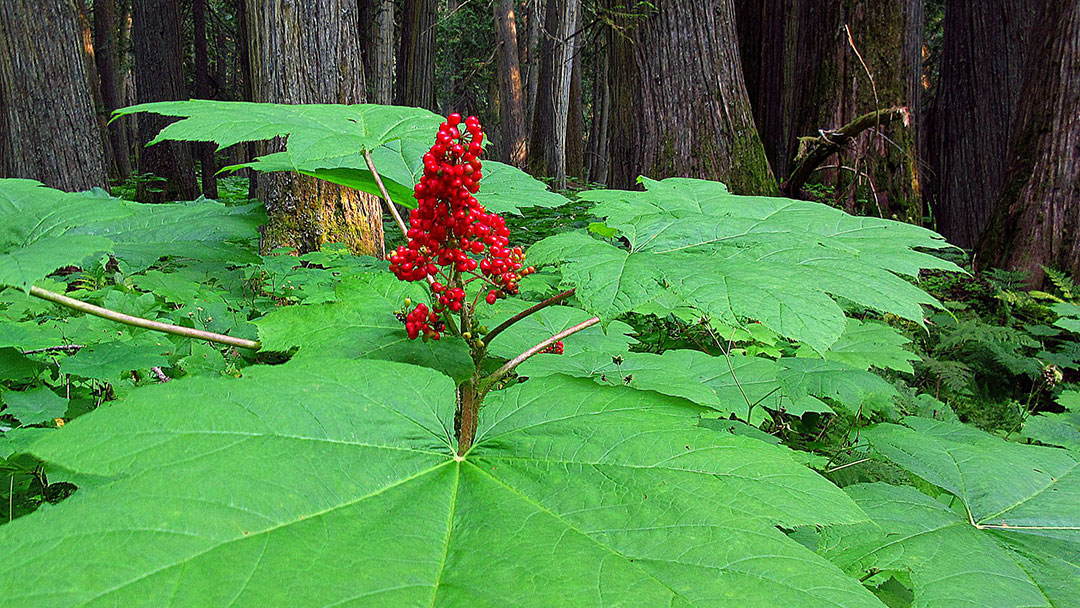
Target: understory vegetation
[(734, 400)]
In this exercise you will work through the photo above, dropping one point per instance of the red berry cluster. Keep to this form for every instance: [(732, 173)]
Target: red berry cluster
[(449, 225), (421, 321), (555, 349)]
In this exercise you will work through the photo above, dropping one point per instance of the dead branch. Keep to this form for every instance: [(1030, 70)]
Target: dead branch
[(814, 150)]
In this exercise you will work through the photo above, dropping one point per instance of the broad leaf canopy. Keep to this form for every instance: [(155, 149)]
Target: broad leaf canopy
[(332, 482)]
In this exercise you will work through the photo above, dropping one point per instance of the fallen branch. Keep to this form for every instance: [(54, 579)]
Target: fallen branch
[(63, 348), (120, 317), (830, 142)]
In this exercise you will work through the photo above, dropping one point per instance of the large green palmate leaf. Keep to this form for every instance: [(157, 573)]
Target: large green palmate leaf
[(1061, 429), (328, 142), (1015, 506), (319, 483), (950, 562), (361, 323), (42, 229), (775, 260), (735, 385)]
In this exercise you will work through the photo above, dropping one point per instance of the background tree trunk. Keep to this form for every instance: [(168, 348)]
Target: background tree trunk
[(159, 76), (805, 76), (207, 167), (107, 56), (94, 83), (679, 104), (416, 59), (982, 63), (547, 139), (511, 95), (575, 118), (48, 131), (596, 156), (377, 27), (308, 52), (532, 58), (1036, 221)]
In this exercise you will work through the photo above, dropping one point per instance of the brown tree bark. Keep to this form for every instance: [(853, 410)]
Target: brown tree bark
[(979, 90), (547, 137), (1036, 222), (575, 118), (511, 95), (207, 166), (806, 75), (536, 12), (679, 103), (94, 83), (416, 58), (309, 53), (107, 56), (596, 156), (48, 129), (377, 36), (159, 76)]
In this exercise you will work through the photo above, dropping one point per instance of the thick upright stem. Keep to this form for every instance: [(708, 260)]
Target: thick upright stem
[(468, 416)]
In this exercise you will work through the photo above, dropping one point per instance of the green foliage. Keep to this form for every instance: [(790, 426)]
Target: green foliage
[(669, 502), (650, 464), (1010, 519), (774, 260), (329, 141)]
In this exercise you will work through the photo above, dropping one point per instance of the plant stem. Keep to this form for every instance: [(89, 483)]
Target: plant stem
[(386, 195), (120, 317), (509, 366), (528, 311), (63, 348), (468, 416)]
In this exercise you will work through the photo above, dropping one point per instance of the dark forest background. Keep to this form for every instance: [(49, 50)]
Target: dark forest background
[(961, 116)]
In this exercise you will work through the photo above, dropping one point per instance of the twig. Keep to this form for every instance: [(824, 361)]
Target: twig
[(528, 311), (830, 142), (386, 196), (120, 317), (64, 348), (731, 368), (518, 360), (160, 374), (850, 464)]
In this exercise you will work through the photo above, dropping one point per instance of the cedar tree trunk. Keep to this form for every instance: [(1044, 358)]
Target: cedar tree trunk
[(982, 71), (159, 76), (416, 58), (202, 91), (308, 52), (511, 95), (679, 103), (1036, 221), (48, 130), (106, 54), (804, 76)]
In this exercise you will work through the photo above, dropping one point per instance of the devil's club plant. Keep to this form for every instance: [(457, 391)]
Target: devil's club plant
[(433, 459)]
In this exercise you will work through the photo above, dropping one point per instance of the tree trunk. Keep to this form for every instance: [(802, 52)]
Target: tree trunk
[(377, 28), (679, 103), (511, 96), (596, 157), (416, 58), (308, 52), (547, 141), (575, 120), (805, 76), (202, 91), (1036, 221), (532, 55), (159, 76), (106, 32), (48, 130), (982, 62), (95, 85)]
